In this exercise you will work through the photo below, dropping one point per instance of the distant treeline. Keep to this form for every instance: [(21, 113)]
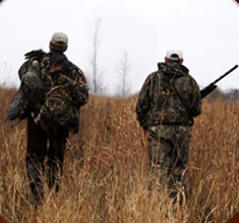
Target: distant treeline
[(232, 94)]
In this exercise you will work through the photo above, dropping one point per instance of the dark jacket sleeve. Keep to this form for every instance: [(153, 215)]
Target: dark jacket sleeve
[(196, 99), (143, 103), (79, 92)]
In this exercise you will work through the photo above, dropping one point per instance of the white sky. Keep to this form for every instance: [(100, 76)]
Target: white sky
[(207, 31)]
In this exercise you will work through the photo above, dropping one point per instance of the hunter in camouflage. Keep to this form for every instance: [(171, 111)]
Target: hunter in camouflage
[(62, 92), (64, 86), (167, 104)]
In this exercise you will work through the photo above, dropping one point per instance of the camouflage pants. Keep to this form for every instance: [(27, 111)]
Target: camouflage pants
[(168, 148), (42, 145)]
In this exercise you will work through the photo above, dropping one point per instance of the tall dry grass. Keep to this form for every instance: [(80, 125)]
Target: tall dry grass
[(105, 171)]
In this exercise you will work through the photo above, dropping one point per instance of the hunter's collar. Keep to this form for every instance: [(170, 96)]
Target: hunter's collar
[(172, 67)]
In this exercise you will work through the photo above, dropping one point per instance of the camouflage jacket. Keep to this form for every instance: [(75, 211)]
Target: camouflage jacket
[(168, 96), (64, 86)]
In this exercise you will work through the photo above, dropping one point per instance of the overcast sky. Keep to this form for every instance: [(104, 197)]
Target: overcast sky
[(207, 31)]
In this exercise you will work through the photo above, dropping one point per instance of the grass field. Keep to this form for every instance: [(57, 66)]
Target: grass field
[(105, 171)]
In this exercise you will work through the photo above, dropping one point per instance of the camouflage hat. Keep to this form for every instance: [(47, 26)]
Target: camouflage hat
[(59, 37), (174, 55)]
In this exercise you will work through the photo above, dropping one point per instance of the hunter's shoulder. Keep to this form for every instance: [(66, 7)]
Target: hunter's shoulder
[(189, 79), (184, 74), (80, 73), (183, 79), (150, 78), (186, 81), (154, 75), (192, 79)]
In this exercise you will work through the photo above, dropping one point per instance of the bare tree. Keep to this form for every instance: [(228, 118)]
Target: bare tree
[(123, 71), (96, 76)]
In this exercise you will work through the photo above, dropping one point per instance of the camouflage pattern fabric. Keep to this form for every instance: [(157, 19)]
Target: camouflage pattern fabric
[(64, 87), (168, 96), (168, 148), (68, 92), (167, 103)]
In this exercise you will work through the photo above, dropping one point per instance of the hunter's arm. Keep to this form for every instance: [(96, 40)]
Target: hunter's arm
[(196, 99), (79, 91), (143, 104)]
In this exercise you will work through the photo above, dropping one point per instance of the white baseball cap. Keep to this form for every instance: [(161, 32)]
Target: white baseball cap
[(174, 54), (59, 37)]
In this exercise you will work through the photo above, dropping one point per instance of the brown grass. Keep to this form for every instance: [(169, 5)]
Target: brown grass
[(105, 171)]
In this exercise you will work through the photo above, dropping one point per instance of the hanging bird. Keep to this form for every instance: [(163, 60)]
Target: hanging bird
[(29, 92)]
